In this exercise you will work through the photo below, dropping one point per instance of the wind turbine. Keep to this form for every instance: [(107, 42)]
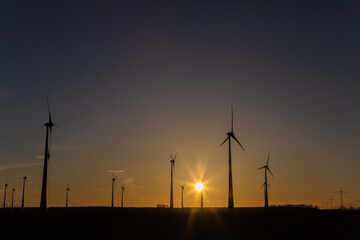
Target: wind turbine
[(231, 135), (341, 192), (172, 161), (182, 195), (23, 193), (265, 185), (67, 196), (12, 198), (48, 125), (112, 192), (122, 195), (5, 190), (201, 192)]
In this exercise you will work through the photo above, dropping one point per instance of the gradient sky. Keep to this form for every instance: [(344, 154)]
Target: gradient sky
[(131, 82)]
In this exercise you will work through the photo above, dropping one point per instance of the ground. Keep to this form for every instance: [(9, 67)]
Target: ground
[(188, 223)]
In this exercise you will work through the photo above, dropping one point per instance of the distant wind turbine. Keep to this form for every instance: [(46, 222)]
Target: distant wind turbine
[(265, 185), (341, 192), (201, 192), (23, 193), (182, 195), (5, 190), (67, 196), (12, 198), (48, 125), (122, 195), (231, 135), (172, 161), (112, 192)]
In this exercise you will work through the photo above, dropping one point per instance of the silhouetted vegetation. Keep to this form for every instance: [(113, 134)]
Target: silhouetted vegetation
[(153, 223)]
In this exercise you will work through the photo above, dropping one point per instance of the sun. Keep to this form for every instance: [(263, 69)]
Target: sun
[(199, 186)]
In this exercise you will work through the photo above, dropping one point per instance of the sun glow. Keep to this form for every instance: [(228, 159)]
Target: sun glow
[(199, 186)]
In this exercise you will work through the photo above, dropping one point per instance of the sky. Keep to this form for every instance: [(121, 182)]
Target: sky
[(131, 82)]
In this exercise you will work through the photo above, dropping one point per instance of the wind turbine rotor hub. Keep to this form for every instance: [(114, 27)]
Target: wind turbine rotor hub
[(49, 124)]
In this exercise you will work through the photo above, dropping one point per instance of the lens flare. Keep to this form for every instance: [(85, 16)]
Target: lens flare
[(199, 186)]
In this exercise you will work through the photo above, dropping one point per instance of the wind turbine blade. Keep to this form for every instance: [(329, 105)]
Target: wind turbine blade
[(233, 136), (204, 177), (268, 159), (224, 141), (171, 157), (48, 105), (269, 170), (261, 167), (232, 118), (175, 156)]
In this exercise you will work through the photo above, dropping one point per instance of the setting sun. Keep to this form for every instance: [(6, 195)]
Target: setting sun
[(199, 186)]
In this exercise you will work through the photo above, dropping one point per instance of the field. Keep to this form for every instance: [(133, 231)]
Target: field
[(188, 223)]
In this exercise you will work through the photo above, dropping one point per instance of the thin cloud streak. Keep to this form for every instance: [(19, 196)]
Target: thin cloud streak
[(64, 147), (116, 171), (18, 165)]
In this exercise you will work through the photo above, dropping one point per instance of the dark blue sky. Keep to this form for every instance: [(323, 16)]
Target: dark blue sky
[(140, 72)]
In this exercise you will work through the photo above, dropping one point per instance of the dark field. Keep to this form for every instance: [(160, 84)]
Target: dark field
[(152, 223)]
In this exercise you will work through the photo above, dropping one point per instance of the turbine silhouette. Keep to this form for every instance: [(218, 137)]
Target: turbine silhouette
[(23, 194), (12, 198), (182, 195), (5, 190), (112, 192), (229, 136), (172, 161), (122, 195), (201, 192), (48, 125), (67, 196), (265, 185)]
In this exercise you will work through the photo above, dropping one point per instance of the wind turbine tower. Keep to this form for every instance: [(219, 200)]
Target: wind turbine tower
[(23, 193), (341, 192), (201, 192), (265, 185), (5, 190), (12, 198), (229, 136), (48, 125), (182, 195), (172, 162), (67, 196), (122, 195), (112, 192)]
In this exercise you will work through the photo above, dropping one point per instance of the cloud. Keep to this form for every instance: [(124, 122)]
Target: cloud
[(39, 157), (71, 147), (116, 171), (64, 147), (18, 165), (129, 181)]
